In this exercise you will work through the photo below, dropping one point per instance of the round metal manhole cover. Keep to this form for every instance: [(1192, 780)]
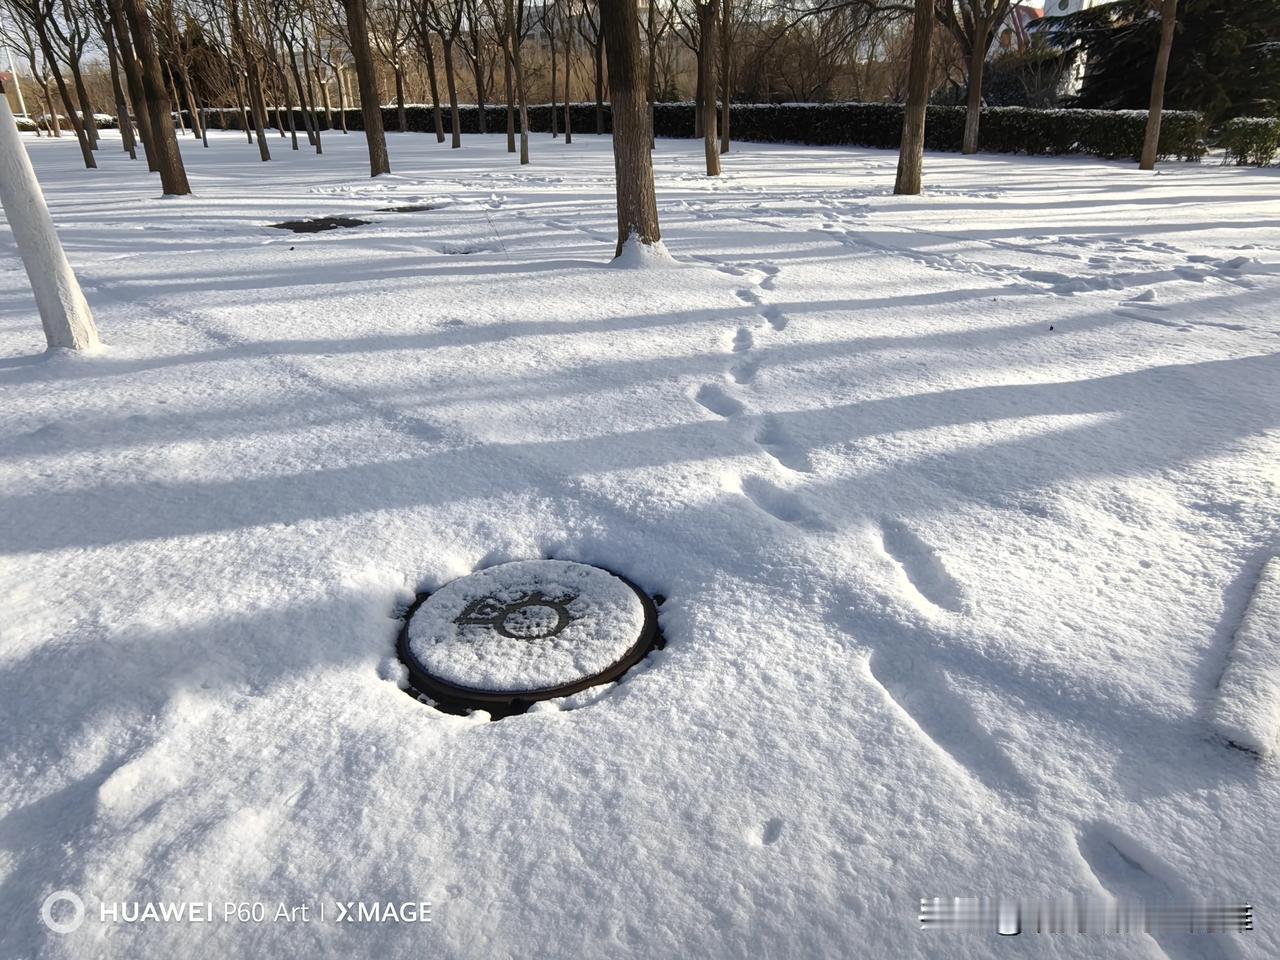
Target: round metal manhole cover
[(506, 637)]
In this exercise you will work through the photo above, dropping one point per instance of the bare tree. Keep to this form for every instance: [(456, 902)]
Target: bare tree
[(253, 77), (473, 44), (370, 107), (632, 159), (972, 23), (911, 150), (164, 143), (445, 18), (590, 29), (708, 24), (39, 15), (1151, 141), (391, 24)]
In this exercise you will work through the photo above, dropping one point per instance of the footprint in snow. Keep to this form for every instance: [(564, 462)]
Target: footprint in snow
[(775, 441), (745, 371), (718, 401), (922, 565), (783, 504)]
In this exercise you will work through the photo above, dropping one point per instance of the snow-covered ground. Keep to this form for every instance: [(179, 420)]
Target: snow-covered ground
[(957, 502)]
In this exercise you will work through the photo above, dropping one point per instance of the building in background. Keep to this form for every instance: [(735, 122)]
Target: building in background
[(1074, 78)]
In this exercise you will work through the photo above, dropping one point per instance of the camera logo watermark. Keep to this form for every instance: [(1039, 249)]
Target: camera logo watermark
[(63, 911), (67, 924)]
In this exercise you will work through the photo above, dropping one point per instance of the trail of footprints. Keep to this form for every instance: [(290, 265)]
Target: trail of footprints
[(916, 686)]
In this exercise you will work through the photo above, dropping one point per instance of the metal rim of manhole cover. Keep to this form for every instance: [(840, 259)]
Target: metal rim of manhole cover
[(505, 637)]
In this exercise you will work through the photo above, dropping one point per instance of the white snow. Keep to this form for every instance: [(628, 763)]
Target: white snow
[(1248, 707), (952, 498), (449, 638)]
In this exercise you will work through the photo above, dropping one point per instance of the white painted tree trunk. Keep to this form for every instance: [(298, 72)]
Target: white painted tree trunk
[(63, 309)]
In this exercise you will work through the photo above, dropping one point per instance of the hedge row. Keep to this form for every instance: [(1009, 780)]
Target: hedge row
[(1251, 140), (1104, 133)]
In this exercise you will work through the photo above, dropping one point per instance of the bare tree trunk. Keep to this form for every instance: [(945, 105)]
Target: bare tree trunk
[(133, 79), (477, 70), (253, 78), (555, 117), (511, 95), (911, 152), (174, 102), (316, 115), (290, 119), (64, 311), (184, 79), (86, 149), (517, 65), (342, 98), (305, 103), (122, 103), (977, 61), (86, 107), (245, 105), (55, 128), (435, 88), (1151, 141), (568, 77), (401, 123), (370, 107), (451, 81), (599, 63), (173, 176), (311, 66), (632, 160), (651, 81), (699, 94), (708, 18), (726, 71)]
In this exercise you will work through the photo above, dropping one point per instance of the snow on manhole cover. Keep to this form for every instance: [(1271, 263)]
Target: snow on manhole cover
[(500, 639)]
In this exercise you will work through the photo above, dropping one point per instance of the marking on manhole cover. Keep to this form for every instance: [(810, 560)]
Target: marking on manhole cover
[(532, 617)]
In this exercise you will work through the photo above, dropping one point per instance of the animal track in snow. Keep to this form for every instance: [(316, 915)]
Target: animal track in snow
[(718, 401), (922, 565), (749, 296), (782, 504), (778, 445), (776, 318)]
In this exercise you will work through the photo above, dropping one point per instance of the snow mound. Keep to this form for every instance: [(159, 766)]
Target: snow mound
[(637, 255), (1248, 708)]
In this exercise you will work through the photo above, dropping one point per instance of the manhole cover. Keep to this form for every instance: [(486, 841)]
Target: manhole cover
[(508, 636)]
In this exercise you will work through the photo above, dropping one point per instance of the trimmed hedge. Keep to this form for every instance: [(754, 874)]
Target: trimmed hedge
[(1104, 133), (1251, 140)]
